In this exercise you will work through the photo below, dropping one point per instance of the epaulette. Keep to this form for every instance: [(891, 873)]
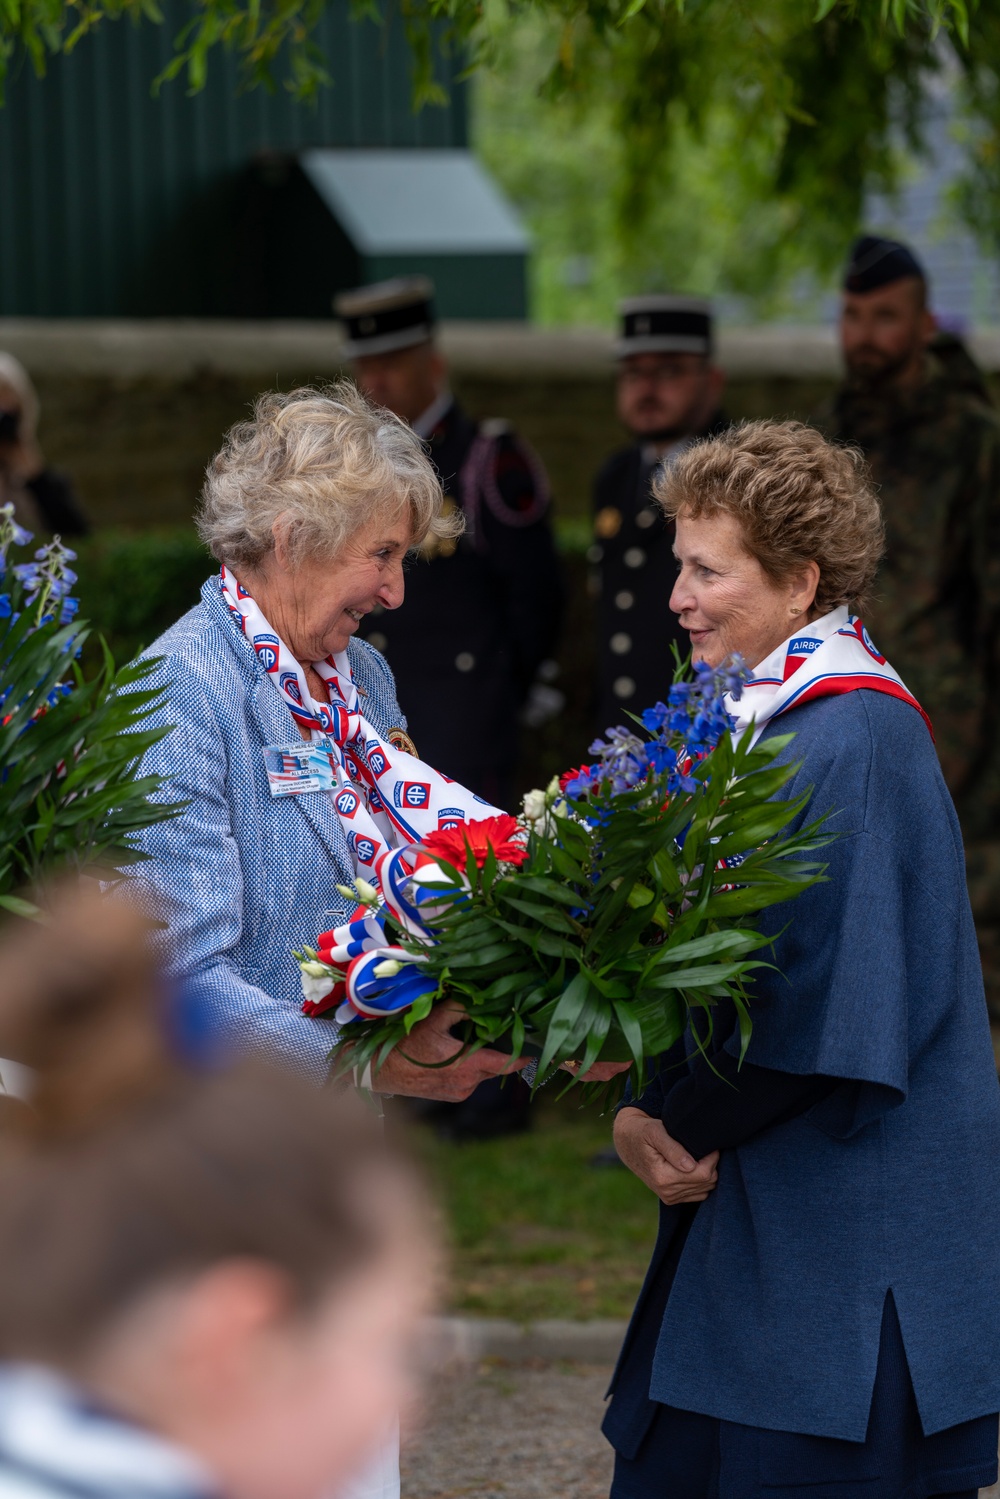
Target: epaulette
[(503, 473)]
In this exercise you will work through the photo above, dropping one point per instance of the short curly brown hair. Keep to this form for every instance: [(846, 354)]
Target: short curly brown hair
[(797, 497)]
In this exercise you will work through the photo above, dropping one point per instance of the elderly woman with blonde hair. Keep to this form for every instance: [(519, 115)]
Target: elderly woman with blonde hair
[(821, 1317), (288, 749)]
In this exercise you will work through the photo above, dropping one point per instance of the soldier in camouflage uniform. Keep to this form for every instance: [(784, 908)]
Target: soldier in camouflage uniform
[(918, 407)]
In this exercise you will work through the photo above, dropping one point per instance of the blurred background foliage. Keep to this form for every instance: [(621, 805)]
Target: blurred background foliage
[(722, 150), (755, 129), (705, 144)]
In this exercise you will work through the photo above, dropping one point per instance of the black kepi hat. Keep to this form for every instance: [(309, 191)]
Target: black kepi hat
[(664, 325), (387, 315), (879, 262)]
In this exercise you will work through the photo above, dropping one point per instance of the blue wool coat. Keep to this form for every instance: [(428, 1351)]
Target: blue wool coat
[(241, 878), (892, 1182)]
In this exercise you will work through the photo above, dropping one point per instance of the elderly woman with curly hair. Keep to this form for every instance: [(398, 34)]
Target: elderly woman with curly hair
[(287, 747), (821, 1318)]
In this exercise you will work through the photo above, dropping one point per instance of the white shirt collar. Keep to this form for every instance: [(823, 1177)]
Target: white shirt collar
[(428, 420)]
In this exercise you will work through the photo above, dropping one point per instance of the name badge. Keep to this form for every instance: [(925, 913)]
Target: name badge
[(293, 769)]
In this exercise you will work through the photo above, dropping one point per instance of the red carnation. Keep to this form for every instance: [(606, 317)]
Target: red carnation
[(572, 775), (478, 838)]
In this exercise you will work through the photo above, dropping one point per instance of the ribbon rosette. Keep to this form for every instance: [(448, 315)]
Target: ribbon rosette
[(354, 968)]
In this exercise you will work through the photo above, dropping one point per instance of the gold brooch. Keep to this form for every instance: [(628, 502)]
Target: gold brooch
[(400, 739)]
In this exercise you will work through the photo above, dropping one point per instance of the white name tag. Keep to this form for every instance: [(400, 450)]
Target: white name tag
[(293, 769)]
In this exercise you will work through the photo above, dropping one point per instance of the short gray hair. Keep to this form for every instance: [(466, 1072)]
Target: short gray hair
[(324, 462)]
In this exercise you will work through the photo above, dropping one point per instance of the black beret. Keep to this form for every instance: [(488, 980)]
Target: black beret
[(878, 262)]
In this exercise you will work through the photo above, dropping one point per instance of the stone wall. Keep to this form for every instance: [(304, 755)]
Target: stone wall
[(135, 409)]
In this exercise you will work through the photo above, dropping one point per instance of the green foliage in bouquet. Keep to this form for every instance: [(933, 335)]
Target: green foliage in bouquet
[(627, 903), (69, 745)]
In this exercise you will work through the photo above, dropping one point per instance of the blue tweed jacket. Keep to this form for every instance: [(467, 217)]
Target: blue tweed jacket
[(239, 878)]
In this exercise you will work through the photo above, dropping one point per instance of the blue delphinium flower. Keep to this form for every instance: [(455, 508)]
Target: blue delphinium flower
[(11, 534), (685, 728), (582, 783), (5, 608), (28, 574)]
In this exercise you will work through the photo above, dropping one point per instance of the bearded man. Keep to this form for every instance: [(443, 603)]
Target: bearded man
[(918, 407)]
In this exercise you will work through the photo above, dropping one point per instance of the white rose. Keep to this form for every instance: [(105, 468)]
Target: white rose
[(315, 989), (534, 805)]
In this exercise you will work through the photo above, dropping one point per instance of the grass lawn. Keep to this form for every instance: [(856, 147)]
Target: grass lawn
[(535, 1231)]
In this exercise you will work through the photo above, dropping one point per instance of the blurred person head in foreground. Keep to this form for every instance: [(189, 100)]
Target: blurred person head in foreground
[(43, 498), (212, 1275)]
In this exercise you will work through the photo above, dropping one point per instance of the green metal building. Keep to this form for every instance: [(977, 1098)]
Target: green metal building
[(234, 203)]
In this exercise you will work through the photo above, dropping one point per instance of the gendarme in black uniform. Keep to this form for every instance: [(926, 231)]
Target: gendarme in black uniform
[(634, 562), (481, 613), (632, 550)]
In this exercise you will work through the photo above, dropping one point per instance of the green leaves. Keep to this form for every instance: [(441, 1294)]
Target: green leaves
[(69, 793)]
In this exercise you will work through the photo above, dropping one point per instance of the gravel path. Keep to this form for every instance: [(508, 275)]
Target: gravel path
[(510, 1431), (515, 1431)]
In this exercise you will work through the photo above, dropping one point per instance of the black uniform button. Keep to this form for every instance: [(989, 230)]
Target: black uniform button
[(623, 687), (621, 643), (645, 518), (465, 660), (634, 557), (624, 600), (377, 640)]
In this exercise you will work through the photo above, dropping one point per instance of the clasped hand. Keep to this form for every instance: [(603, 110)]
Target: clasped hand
[(662, 1162), (432, 1063)]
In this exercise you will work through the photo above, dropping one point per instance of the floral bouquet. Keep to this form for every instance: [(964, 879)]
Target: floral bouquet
[(586, 930), (69, 794)]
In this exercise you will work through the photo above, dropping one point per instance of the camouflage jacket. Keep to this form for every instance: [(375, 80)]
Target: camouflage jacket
[(935, 456)]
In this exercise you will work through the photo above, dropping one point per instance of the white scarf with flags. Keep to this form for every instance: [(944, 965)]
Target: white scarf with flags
[(386, 799), (830, 656)]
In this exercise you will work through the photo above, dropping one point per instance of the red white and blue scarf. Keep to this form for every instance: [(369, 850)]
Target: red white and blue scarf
[(386, 799), (830, 656)]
